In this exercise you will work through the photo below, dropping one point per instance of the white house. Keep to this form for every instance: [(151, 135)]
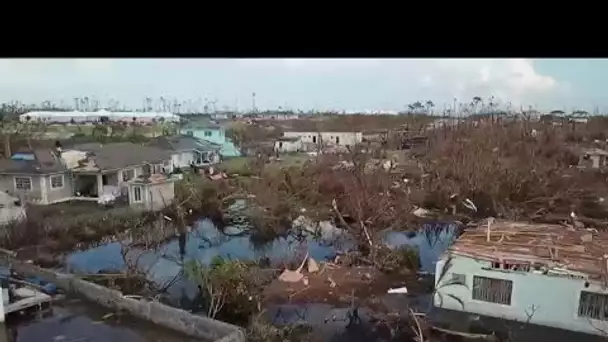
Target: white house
[(327, 138), (288, 144), (187, 150), (594, 158), (11, 209), (541, 274), (152, 193)]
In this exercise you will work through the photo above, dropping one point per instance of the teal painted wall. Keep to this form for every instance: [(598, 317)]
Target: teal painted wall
[(555, 298), (214, 135)]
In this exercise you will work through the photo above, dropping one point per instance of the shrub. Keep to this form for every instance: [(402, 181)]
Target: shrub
[(227, 288)]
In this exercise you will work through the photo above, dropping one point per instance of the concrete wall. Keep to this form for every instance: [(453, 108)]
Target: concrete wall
[(8, 215), (553, 298), (42, 191), (182, 321), (60, 194), (182, 159), (153, 196), (7, 183), (328, 138), (214, 135), (288, 146)]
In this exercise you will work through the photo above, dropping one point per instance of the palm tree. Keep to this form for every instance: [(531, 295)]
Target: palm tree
[(411, 108), (429, 107), (8, 129), (476, 101)]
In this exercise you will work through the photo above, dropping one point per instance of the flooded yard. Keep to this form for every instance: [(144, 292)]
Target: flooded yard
[(72, 320), (327, 309)]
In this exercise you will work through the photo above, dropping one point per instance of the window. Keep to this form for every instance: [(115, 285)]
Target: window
[(23, 183), (190, 133), (207, 133), (137, 194), (492, 290), (593, 305), (57, 182), (127, 175)]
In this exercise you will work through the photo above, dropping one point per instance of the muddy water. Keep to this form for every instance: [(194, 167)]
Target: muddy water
[(333, 323), (205, 242), (74, 320)]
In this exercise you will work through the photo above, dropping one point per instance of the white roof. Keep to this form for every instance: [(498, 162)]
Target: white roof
[(101, 112)]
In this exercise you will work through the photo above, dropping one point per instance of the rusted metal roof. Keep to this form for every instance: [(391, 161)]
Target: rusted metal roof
[(550, 245)]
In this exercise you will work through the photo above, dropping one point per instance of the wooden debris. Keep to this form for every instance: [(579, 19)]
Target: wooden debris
[(313, 267), (487, 337), (332, 283), (290, 276), (30, 298)]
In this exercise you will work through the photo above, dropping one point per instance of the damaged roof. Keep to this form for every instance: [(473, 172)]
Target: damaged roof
[(551, 245), (36, 161), (121, 155), (183, 143), (292, 139)]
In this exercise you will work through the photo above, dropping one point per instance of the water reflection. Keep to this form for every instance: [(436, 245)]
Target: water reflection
[(431, 241), (205, 242)]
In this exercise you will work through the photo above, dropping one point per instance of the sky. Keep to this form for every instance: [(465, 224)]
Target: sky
[(339, 84)]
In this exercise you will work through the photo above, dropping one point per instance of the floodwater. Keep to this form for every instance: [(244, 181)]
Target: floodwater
[(75, 320), (205, 242)]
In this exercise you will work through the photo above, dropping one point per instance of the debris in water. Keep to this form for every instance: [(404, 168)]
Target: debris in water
[(400, 290), (421, 212), (106, 316)]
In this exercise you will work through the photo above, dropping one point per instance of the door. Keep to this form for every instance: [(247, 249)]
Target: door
[(337, 140), (314, 139)]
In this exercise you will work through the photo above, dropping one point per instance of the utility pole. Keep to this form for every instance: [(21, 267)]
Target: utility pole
[(253, 102)]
